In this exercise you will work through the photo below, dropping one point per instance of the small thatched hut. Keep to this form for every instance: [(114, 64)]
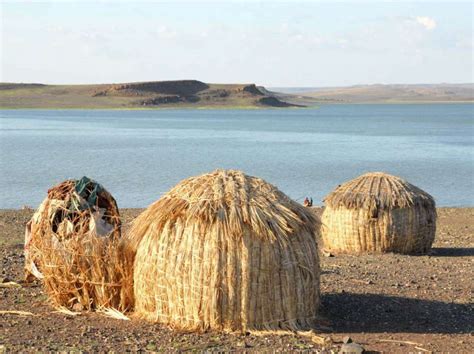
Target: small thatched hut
[(226, 251), (73, 244), (377, 212)]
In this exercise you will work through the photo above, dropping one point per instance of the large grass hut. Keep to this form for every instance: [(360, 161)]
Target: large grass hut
[(73, 244), (226, 251), (378, 212)]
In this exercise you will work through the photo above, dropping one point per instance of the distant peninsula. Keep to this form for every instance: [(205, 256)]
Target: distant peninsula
[(148, 95), (197, 94)]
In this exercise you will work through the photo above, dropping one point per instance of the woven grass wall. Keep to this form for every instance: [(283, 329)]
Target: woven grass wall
[(407, 230), (227, 251), (378, 213)]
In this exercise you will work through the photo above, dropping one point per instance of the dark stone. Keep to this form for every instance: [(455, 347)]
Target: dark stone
[(192, 98), (162, 100), (352, 348), (100, 94), (178, 87), (253, 90), (275, 102)]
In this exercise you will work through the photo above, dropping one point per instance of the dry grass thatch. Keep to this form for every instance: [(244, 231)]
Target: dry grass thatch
[(377, 212), (226, 251), (73, 244)]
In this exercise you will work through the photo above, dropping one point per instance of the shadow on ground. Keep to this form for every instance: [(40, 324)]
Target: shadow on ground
[(452, 252), (372, 313)]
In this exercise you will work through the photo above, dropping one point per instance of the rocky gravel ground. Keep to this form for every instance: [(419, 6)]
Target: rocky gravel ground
[(390, 303)]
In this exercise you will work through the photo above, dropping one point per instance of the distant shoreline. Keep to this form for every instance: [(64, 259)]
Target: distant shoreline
[(194, 94), (224, 108), (141, 95)]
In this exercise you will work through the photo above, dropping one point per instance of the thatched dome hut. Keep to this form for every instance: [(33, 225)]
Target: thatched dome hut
[(377, 212), (72, 243), (226, 251)]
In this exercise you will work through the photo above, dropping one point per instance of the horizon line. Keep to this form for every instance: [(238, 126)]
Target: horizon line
[(240, 83)]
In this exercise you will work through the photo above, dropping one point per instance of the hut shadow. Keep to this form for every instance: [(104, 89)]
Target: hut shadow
[(372, 313), (452, 252)]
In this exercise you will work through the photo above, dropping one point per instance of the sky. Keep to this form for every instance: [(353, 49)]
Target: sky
[(270, 43)]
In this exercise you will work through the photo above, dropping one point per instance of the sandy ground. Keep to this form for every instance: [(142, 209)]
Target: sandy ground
[(386, 303)]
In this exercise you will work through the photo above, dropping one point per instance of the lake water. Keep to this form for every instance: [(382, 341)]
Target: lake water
[(139, 155)]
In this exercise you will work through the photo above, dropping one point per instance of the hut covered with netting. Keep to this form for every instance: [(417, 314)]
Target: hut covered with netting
[(378, 212), (73, 245), (226, 251)]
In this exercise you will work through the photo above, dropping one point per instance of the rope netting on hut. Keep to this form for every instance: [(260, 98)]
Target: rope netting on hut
[(73, 244)]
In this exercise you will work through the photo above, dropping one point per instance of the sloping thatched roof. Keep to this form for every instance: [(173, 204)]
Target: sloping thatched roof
[(378, 190), (226, 251), (232, 199)]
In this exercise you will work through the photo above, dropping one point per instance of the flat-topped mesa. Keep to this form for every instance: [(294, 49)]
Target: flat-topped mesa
[(175, 93), (177, 87)]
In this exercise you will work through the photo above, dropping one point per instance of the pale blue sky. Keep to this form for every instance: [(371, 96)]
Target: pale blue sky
[(269, 43)]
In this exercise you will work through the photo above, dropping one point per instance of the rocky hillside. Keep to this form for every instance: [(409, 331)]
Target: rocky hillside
[(153, 94)]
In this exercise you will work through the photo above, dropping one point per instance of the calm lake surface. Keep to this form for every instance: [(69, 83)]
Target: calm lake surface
[(139, 155)]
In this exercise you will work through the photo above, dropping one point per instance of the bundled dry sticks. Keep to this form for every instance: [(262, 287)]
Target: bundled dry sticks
[(91, 272)]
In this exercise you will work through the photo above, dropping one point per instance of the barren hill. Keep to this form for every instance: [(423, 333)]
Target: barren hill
[(386, 93), (153, 94)]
